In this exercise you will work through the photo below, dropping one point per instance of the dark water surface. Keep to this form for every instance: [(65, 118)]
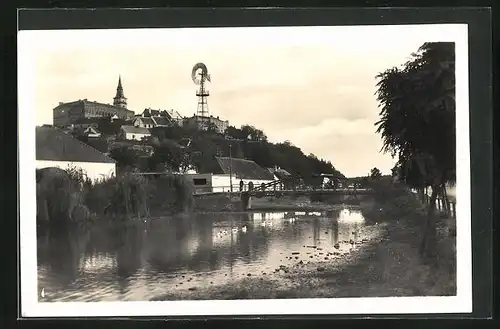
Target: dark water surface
[(145, 259)]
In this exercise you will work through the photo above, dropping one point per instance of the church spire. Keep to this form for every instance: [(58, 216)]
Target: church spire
[(120, 99)]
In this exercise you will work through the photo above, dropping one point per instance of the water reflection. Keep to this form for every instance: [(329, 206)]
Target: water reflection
[(143, 260)]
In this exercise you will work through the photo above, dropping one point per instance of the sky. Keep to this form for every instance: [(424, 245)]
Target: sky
[(312, 86)]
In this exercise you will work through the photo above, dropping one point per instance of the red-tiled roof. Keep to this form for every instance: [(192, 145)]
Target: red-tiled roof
[(54, 145)]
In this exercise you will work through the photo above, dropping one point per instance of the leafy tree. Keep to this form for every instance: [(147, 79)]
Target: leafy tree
[(124, 156), (252, 133), (417, 123), (375, 173), (169, 153), (211, 127)]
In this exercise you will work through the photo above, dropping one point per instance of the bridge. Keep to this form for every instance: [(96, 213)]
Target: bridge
[(288, 186), (274, 188)]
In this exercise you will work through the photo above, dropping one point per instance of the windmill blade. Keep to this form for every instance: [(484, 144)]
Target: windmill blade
[(194, 72), (208, 77)]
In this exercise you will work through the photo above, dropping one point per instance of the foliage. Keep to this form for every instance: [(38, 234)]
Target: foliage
[(375, 173), (418, 115), (125, 194), (171, 154), (171, 193), (65, 197), (59, 196), (125, 156), (246, 132), (417, 122)]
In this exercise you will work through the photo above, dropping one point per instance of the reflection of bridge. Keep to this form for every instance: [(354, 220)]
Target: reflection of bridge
[(297, 192), (293, 192)]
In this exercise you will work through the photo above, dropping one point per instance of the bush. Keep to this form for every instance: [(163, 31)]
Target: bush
[(59, 196), (125, 194), (68, 196), (393, 200), (387, 191), (171, 193)]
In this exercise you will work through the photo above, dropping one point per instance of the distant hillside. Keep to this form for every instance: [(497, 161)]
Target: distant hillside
[(246, 142), (175, 145)]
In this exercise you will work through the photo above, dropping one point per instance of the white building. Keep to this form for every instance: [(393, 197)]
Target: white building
[(144, 122), (134, 133), (176, 117), (241, 170), (150, 118), (203, 122), (152, 122), (57, 149)]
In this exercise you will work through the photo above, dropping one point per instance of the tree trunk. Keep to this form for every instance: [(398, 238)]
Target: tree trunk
[(428, 242), (446, 202), (421, 192)]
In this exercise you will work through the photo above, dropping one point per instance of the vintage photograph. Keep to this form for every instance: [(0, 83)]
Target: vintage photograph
[(306, 164)]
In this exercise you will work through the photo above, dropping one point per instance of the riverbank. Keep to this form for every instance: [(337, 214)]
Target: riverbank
[(223, 203), (387, 265)]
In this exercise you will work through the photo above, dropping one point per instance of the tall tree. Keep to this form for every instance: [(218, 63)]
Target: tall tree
[(169, 153), (417, 123), (125, 156), (375, 173)]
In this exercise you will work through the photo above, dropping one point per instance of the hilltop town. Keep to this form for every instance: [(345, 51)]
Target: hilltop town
[(213, 153)]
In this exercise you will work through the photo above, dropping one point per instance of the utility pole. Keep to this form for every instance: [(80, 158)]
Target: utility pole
[(230, 171)]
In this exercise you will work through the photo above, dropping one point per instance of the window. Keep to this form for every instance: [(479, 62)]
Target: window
[(200, 181)]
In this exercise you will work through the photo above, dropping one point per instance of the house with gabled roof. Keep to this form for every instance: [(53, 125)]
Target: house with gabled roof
[(222, 172), (144, 122), (91, 132), (153, 118), (134, 133), (161, 121), (56, 149), (282, 174)]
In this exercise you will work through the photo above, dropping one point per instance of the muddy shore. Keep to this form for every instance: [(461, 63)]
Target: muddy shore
[(387, 265)]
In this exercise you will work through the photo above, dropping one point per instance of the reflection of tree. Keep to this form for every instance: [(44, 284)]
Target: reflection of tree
[(334, 215), (335, 230), (128, 253), (169, 245), (244, 244), (316, 230), (61, 252)]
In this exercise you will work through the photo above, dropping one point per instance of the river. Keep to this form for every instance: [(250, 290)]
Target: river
[(140, 260)]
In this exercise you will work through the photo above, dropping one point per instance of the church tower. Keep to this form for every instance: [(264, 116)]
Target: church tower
[(120, 99)]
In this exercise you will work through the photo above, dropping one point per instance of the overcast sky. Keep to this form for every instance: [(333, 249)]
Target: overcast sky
[(313, 86)]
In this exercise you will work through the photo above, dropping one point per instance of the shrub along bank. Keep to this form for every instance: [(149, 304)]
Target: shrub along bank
[(65, 196)]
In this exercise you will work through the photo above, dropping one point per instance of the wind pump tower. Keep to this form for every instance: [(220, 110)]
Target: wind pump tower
[(200, 76)]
